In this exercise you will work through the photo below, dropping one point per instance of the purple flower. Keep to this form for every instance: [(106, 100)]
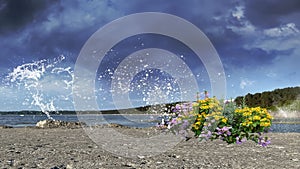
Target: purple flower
[(206, 135), (219, 131), (177, 108), (185, 124), (263, 142), (174, 121), (224, 130), (240, 141)]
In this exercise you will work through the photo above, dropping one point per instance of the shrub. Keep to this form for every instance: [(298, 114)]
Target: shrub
[(211, 119)]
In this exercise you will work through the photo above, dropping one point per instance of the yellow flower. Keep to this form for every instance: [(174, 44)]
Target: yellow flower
[(204, 107), (202, 101), (249, 122), (195, 126), (217, 118), (256, 117), (247, 114), (269, 116), (218, 113), (224, 120), (195, 104), (257, 109), (265, 124), (264, 119)]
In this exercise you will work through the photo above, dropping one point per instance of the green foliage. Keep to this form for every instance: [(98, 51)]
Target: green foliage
[(272, 99), (211, 119)]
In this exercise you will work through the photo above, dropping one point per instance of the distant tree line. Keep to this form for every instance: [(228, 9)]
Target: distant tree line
[(270, 99)]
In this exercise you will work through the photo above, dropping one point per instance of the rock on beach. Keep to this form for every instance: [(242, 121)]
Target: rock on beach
[(58, 124)]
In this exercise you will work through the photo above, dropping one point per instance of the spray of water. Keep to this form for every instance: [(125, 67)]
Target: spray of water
[(34, 78), (289, 111)]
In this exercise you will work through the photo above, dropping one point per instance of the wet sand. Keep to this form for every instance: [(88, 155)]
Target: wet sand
[(72, 148)]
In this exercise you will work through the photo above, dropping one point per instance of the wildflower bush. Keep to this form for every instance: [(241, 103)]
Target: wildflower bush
[(210, 119)]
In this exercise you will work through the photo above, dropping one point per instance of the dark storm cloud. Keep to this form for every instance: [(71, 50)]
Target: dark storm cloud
[(64, 26), (34, 29), (16, 14), (272, 13), (200, 13)]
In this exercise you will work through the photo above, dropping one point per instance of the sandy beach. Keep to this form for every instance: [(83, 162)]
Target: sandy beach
[(72, 148)]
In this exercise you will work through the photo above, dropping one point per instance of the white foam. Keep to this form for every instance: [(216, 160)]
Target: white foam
[(30, 76)]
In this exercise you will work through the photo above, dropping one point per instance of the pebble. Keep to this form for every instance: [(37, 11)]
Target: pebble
[(144, 162), (279, 147), (295, 159), (69, 167), (4, 127), (10, 162), (129, 164), (174, 156), (141, 157)]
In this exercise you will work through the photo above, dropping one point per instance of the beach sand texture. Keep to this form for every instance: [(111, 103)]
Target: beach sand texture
[(72, 148)]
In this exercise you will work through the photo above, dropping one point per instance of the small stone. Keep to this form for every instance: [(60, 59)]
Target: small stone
[(129, 164), (144, 162), (69, 167), (295, 159), (58, 167), (174, 156), (10, 162), (279, 147), (141, 157), (5, 127), (159, 162)]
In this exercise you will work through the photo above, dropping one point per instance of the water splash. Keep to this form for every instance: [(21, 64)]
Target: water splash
[(39, 79)]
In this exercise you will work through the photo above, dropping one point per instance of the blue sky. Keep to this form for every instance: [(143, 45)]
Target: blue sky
[(257, 42)]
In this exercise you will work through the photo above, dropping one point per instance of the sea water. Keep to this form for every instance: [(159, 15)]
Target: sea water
[(140, 121)]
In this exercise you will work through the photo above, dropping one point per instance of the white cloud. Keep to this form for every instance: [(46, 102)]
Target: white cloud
[(281, 38), (78, 15), (247, 28), (289, 29), (238, 12), (271, 74), (245, 82), (244, 27)]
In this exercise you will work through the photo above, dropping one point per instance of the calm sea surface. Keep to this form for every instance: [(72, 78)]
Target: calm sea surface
[(127, 120)]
